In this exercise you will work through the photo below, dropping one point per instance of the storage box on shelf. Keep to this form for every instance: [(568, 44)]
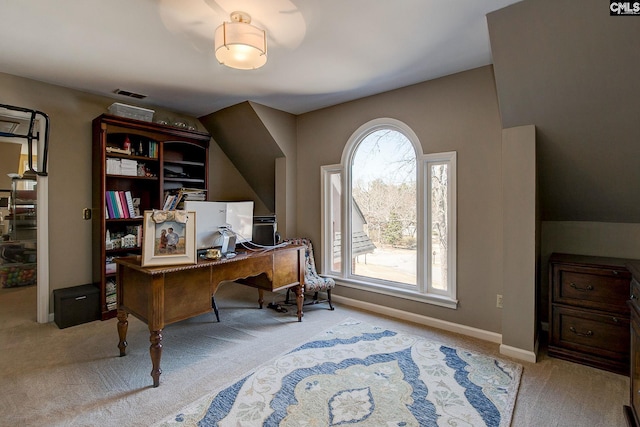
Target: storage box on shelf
[(131, 112), (165, 159)]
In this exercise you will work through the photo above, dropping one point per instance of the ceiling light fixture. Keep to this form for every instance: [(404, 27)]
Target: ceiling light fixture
[(239, 44)]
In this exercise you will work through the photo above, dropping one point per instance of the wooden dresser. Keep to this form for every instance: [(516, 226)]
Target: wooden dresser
[(632, 412), (588, 311)]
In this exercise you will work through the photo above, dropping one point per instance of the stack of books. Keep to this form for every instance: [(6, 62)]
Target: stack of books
[(194, 194), (174, 201), (114, 167), (111, 295), (128, 167)]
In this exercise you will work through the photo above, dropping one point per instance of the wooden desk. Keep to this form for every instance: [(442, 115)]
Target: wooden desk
[(187, 289)]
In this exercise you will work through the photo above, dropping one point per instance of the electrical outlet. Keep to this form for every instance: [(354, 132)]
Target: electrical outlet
[(86, 213), (499, 301)]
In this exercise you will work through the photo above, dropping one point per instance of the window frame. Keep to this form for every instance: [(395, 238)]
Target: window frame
[(423, 292), (450, 159)]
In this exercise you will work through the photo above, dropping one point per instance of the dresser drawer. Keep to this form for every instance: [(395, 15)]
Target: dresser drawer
[(590, 332), (596, 288), (635, 294)]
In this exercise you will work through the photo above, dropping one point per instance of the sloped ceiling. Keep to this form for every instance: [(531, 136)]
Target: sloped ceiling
[(240, 133), (572, 70)]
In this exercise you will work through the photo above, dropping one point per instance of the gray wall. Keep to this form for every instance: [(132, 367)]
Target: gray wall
[(519, 201), (455, 113), (71, 113), (571, 70)]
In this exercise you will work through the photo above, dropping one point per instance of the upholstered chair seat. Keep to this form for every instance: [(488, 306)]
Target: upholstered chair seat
[(313, 282)]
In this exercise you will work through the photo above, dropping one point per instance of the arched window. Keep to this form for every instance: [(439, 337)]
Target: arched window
[(389, 215)]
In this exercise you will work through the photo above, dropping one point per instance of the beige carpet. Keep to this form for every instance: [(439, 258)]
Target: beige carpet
[(74, 377)]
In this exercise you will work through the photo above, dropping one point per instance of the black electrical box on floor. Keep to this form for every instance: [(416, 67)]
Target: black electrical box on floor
[(76, 305)]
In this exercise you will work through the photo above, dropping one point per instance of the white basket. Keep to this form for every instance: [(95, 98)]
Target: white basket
[(131, 112)]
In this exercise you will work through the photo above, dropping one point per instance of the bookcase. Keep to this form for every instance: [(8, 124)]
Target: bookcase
[(135, 165)]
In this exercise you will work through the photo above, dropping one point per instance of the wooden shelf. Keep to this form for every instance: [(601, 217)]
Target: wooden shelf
[(181, 150)]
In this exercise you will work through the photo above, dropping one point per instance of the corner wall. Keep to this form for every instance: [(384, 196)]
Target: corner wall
[(519, 203)]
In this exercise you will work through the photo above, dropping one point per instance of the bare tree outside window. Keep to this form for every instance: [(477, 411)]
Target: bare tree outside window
[(384, 208), (399, 207), (439, 232)]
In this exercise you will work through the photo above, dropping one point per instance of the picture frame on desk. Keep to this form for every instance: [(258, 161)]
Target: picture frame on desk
[(169, 238)]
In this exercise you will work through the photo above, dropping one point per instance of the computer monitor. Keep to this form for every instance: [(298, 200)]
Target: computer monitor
[(212, 216)]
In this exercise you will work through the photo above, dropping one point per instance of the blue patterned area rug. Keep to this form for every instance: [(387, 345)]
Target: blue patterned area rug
[(358, 374)]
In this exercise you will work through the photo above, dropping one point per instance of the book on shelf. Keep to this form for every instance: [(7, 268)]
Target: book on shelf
[(110, 268), (120, 204), (174, 201), (107, 214), (109, 203), (110, 287), (129, 198), (168, 201), (153, 149), (117, 205), (136, 207)]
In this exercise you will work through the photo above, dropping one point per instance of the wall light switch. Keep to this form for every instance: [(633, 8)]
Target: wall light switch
[(86, 213)]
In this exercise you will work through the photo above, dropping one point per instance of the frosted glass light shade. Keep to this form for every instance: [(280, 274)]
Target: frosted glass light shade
[(240, 45)]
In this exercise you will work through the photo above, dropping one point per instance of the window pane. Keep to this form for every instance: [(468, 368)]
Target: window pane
[(383, 208), (335, 192), (439, 225)]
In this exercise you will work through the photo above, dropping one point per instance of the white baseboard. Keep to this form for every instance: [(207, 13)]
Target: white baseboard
[(422, 320), (516, 353)]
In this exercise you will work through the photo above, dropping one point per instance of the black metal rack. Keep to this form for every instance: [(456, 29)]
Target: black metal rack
[(30, 136)]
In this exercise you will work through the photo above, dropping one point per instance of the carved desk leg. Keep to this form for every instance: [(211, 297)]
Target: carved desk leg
[(156, 354), (300, 300), (260, 297), (123, 325)]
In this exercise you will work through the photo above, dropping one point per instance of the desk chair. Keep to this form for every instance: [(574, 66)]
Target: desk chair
[(313, 282)]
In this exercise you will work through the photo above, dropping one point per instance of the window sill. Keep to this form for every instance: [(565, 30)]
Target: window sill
[(438, 300)]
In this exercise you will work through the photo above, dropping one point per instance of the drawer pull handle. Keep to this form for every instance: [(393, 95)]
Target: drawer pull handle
[(615, 273), (581, 334), (577, 288), (615, 319)]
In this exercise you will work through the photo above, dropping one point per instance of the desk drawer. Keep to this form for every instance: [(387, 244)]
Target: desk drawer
[(602, 289), (589, 332)]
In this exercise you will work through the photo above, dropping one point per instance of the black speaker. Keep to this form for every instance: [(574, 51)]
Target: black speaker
[(265, 230)]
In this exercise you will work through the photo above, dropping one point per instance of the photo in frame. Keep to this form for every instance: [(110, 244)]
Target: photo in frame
[(169, 238)]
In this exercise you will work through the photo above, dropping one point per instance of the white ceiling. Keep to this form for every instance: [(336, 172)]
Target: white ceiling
[(320, 52)]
